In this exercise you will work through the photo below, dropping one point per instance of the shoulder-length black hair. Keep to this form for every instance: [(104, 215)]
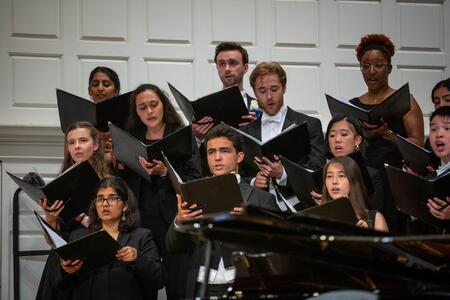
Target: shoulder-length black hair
[(170, 116), (132, 220)]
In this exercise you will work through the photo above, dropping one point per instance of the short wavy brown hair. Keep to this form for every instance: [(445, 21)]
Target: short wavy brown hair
[(375, 41), (266, 68)]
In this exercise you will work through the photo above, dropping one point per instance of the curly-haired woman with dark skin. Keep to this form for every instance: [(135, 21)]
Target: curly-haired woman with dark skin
[(374, 54)]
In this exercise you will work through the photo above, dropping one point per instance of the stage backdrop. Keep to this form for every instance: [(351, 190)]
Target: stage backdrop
[(49, 44)]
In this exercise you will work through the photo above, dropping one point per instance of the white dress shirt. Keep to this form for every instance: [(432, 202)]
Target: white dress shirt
[(272, 126)]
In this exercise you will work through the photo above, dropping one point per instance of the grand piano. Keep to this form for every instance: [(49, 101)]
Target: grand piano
[(307, 256)]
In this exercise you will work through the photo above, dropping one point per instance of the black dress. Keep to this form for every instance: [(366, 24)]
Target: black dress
[(158, 208), (118, 280), (380, 151)]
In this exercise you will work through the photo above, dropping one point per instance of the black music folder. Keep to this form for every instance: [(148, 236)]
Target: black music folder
[(392, 108), (293, 143), (127, 148), (94, 250), (411, 193), (303, 180), (416, 157), (225, 106), (339, 210), (75, 187), (73, 108), (211, 194)]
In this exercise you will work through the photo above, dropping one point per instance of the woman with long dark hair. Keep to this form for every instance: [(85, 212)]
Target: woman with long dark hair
[(151, 118)]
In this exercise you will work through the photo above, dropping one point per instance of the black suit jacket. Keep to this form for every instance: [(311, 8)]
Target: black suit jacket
[(178, 242), (119, 280)]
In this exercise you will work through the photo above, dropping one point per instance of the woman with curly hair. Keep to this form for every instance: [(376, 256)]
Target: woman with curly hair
[(374, 54)]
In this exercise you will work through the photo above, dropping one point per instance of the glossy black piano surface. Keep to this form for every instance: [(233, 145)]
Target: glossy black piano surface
[(306, 256)]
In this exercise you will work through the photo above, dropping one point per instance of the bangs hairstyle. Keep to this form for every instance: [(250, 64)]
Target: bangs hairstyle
[(170, 116), (225, 131), (97, 160), (112, 75), (358, 193), (375, 42), (443, 83), (231, 46), (354, 126), (126, 195), (443, 112), (266, 68)]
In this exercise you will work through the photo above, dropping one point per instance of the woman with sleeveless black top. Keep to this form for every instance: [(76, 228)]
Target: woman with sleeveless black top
[(374, 53)]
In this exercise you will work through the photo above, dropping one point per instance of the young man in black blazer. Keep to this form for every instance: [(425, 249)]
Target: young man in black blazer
[(268, 81), (232, 64), (224, 152)]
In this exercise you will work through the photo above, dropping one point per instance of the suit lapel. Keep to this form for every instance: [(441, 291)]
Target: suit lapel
[(290, 119), (255, 129), (246, 190)]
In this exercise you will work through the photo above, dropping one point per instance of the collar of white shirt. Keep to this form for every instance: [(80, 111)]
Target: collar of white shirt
[(278, 117)]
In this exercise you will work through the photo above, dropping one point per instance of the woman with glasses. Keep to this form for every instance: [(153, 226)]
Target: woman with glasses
[(138, 271), (374, 54), (81, 142)]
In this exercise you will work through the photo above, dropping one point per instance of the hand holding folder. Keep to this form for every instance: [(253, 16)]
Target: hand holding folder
[(211, 194), (75, 187), (127, 149), (392, 108), (225, 106), (93, 250)]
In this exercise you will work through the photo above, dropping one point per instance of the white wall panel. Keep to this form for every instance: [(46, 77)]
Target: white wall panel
[(356, 19), (104, 20), (296, 23), (50, 44), (35, 79), (303, 88), (36, 19), (178, 73), (350, 81), (162, 14), (421, 26), (233, 20)]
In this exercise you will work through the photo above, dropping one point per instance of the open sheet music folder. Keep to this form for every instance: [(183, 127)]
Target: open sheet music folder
[(411, 193), (127, 148), (73, 108), (392, 108), (292, 143), (226, 106), (416, 157), (75, 187), (94, 250), (211, 194), (339, 210)]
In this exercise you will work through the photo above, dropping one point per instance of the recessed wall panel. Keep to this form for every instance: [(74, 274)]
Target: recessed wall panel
[(178, 73), (163, 14), (104, 20), (35, 79), (296, 23), (350, 82), (233, 20), (303, 90), (421, 26), (421, 82), (357, 19), (37, 19)]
